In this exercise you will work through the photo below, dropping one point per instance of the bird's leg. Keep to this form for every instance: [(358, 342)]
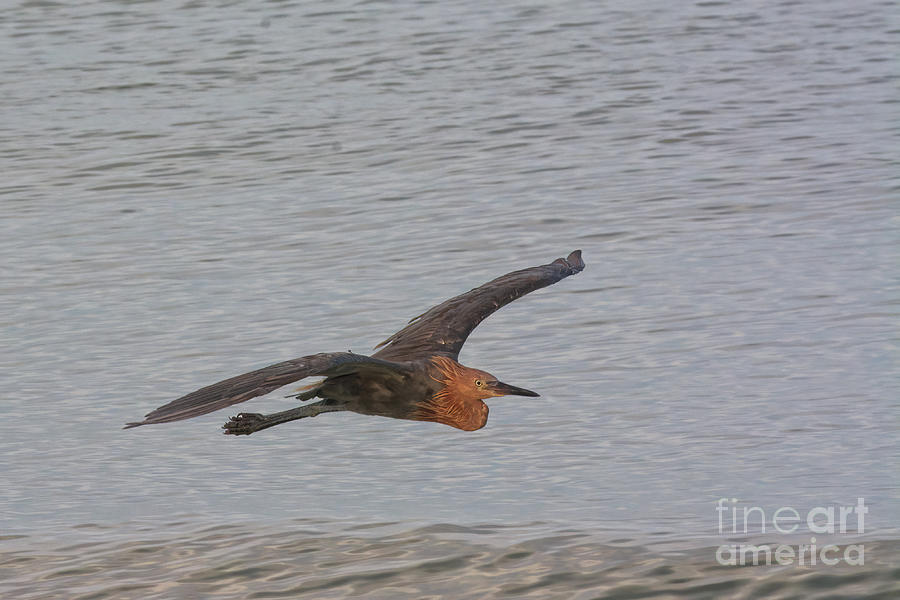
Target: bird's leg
[(247, 423)]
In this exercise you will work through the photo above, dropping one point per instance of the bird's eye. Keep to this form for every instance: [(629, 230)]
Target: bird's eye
[(479, 383)]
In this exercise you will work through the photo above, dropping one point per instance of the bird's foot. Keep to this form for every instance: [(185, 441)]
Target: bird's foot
[(244, 424)]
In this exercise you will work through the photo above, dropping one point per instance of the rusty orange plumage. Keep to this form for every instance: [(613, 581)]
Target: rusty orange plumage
[(414, 374), (458, 402)]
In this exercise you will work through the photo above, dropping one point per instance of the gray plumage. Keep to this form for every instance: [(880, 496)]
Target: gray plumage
[(414, 375)]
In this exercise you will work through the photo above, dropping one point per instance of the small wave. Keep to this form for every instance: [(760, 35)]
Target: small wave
[(319, 559)]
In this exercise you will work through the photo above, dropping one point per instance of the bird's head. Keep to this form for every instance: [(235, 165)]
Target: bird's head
[(473, 383)]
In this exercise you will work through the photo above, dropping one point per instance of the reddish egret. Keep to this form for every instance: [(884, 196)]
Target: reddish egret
[(414, 376)]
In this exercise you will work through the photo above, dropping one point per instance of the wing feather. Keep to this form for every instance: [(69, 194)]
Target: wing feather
[(262, 381), (444, 328)]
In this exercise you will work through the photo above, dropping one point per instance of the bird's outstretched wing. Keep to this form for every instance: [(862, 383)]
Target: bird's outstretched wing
[(256, 383), (444, 328)]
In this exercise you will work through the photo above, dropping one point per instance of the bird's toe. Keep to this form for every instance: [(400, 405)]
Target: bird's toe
[(243, 424)]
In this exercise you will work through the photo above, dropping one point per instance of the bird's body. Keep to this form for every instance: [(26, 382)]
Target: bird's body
[(414, 376)]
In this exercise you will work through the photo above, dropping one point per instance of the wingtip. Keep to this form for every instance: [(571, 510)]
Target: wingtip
[(135, 424), (573, 261)]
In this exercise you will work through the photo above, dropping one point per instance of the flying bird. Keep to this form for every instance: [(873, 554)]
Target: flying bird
[(415, 374)]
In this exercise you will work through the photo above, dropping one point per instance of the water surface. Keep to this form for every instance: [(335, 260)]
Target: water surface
[(192, 190)]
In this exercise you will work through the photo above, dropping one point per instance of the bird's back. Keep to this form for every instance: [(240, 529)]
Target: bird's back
[(386, 394)]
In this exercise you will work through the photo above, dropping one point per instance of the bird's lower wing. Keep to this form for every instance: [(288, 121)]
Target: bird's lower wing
[(260, 382)]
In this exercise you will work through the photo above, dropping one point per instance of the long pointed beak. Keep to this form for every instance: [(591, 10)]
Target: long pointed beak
[(504, 389)]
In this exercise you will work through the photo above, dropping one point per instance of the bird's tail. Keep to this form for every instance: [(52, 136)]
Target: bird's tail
[(307, 392)]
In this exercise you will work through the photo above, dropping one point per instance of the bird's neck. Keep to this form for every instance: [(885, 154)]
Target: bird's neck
[(453, 403), (447, 371)]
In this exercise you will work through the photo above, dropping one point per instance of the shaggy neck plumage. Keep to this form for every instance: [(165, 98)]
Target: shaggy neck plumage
[(453, 404)]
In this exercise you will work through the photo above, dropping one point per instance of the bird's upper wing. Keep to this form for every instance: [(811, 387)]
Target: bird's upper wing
[(444, 328), (262, 381)]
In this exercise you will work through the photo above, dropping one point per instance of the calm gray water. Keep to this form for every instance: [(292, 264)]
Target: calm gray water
[(195, 189)]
